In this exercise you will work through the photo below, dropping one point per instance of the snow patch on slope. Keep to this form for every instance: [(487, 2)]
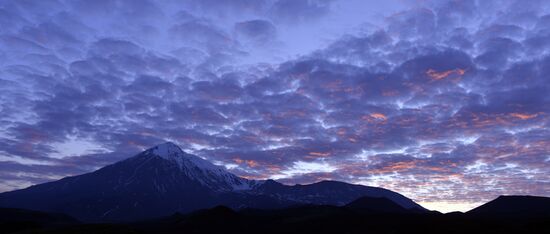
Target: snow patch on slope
[(206, 173)]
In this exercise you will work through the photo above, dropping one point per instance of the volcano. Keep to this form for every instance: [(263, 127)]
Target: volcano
[(164, 179)]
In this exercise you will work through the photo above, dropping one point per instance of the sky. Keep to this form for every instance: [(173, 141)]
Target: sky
[(446, 102)]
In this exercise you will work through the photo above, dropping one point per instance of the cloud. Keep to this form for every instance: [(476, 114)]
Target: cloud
[(300, 10), (446, 96), (260, 31)]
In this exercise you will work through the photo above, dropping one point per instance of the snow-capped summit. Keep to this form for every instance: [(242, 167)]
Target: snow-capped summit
[(172, 152), (200, 170), (166, 150)]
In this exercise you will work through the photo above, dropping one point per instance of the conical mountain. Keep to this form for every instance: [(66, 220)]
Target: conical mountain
[(163, 180)]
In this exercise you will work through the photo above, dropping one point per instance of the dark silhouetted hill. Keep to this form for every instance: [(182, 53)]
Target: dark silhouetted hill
[(514, 207), (318, 219), (12, 220), (376, 205)]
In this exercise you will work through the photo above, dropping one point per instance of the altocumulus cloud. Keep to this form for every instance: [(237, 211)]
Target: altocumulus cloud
[(446, 101)]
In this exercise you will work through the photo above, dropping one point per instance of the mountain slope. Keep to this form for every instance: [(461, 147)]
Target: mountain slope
[(376, 205), (163, 180)]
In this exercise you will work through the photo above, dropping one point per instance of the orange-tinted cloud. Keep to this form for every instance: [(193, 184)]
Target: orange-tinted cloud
[(395, 167), (435, 75), (524, 116), (379, 116), (250, 163), (319, 154)]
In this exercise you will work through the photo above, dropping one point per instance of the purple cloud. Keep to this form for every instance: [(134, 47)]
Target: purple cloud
[(442, 96)]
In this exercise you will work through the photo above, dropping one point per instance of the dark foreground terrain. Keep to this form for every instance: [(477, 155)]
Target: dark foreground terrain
[(502, 215)]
